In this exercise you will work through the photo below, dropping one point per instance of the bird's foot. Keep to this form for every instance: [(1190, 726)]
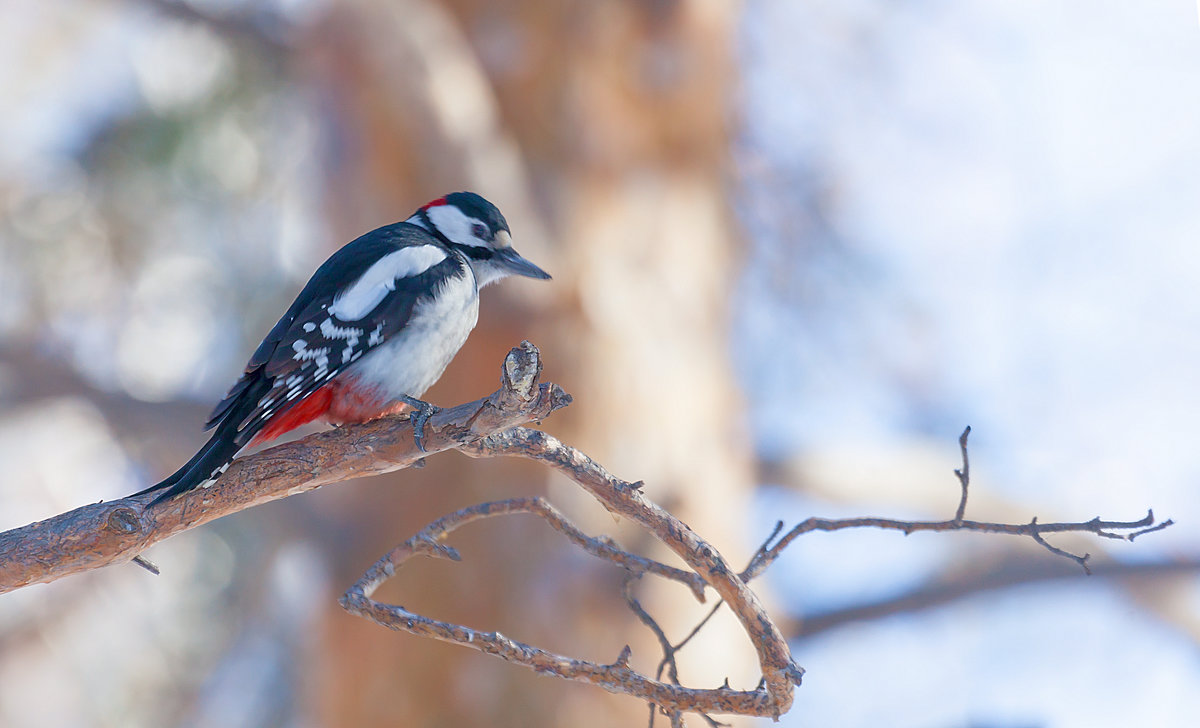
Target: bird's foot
[(421, 413)]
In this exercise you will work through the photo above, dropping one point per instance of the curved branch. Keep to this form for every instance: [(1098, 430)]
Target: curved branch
[(780, 673), (616, 677), (115, 532)]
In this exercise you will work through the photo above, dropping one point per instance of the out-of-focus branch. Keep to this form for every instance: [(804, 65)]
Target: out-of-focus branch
[(44, 377), (1012, 571), (108, 533), (257, 27)]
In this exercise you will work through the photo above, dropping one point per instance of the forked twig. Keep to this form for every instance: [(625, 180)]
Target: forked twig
[(617, 676), (1033, 529)]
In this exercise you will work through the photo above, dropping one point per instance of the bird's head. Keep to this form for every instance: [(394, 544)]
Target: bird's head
[(474, 227)]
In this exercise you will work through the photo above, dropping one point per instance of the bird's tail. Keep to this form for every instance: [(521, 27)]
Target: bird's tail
[(207, 464), (219, 451)]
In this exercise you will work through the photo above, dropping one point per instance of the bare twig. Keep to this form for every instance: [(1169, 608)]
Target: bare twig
[(1037, 537), (1157, 527), (964, 475), (668, 662), (664, 642), (147, 565), (615, 677), (108, 533), (1033, 529), (670, 650)]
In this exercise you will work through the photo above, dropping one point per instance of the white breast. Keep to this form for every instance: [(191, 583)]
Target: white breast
[(416, 356)]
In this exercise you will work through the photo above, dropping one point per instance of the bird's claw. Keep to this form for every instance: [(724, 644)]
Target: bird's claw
[(420, 415)]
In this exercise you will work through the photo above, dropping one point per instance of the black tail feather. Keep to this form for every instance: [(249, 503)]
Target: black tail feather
[(218, 452), (206, 464), (178, 474)]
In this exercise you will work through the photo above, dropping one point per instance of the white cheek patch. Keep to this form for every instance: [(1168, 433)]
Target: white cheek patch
[(451, 222), (373, 286)]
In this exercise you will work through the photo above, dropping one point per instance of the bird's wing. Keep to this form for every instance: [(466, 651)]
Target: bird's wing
[(363, 295)]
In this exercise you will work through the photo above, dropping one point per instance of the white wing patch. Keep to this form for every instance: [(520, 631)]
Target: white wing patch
[(364, 295), (319, 356), (330, 330)]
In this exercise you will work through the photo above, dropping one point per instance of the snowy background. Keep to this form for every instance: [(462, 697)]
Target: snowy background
[(982, 213)]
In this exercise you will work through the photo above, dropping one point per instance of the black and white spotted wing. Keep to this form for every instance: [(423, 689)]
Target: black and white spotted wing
[(347, 308), (358, 300)]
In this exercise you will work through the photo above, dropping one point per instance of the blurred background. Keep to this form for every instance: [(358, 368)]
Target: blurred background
[(797, 247)]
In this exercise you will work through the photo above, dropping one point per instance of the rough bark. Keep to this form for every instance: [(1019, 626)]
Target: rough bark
[(100, 534)]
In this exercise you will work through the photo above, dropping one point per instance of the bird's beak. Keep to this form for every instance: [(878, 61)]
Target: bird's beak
[(511, 261)]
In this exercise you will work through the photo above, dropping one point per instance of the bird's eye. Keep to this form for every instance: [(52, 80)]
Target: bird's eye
[(480, 231)]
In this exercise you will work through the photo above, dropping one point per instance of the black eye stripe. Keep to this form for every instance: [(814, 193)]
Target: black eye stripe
[(474, 252)]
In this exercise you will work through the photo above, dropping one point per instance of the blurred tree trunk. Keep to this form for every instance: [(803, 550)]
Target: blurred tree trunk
[(620, 112)]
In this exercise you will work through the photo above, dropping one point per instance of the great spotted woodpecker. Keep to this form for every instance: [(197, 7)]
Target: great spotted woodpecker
[(372, 330)]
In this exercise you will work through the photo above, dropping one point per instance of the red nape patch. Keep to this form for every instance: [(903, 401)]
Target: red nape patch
[(306, 410), (434, 203)]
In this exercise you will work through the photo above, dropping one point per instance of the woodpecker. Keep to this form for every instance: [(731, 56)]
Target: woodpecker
[(371, 331)]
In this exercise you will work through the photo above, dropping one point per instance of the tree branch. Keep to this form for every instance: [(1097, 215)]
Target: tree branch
[(1033, 529), (615, 677), (115, 532), (780, 673), (1013, 570)]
